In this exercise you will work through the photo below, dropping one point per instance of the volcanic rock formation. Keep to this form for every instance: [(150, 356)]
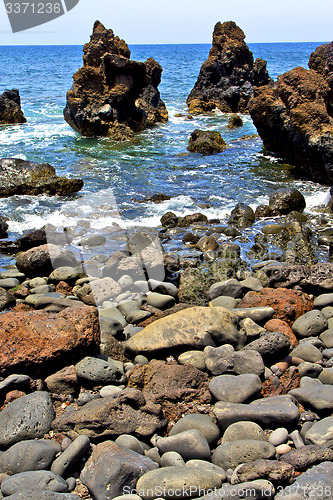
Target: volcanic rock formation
[(10, 107), (111, 94), (294, 116), (227, 78)]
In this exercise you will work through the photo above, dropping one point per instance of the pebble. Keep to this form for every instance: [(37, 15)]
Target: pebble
[(171, 458), (327, 338), (310, 324), (223, 301), (279, 436), (159, 300), (130, 442), (203, 423), (307, 352), (282, 449), (71, 455), (140, 360), (194, 358), (229, 455), (307, 369), (189, 444), (324, 300), (235, 388), (243, 430), (28, 455), (33, 480), (98, 371), (8, 283)]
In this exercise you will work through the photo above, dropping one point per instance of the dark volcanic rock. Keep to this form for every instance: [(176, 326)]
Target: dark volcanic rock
[(10, 107), (241, 216), (25, 177), (313, 279), (42, 260), (206, 142), (287, 200), (293, 117), (111, 94), (3, 227), (227, 78)]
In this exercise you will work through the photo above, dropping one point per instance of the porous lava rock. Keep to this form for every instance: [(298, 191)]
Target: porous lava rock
[(227, 77), (10, 107), (19, 177), (111, 94), (206, 142), (294, 116)]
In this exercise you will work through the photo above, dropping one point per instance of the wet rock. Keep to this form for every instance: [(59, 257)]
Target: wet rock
[(235, 121), (128, 413), (207, 243), (28, 417), (24, 177), (93, 240), (287, 200), (113, 95), (235, 389), (243, 430), (36, 480), (287, 304), (203, 423), (270, 411), (28, 455), (194, 327), (35, 341), (279, 473), (206, 142), (40, 261), (10, 107), (177, 480), (189, 444), (306, 456), (242, 216), (3, 227), (227, 77), (111, 468), (229, 455)]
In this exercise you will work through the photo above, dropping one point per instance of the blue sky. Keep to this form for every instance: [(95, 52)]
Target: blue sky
[(180, 21)]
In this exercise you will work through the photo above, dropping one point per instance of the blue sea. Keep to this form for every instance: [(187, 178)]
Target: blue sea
[(156, 161)]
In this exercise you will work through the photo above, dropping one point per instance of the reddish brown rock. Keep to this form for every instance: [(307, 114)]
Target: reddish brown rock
[(287, 304), (288, 381), (63, 381), (63, 287), (35, 342), (12, 395), (177, 388), (278, 325)]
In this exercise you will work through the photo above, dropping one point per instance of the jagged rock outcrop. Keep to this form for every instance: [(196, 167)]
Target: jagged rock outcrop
[(227, 78), (294, 116), (111, 94), (10, 107), (25, 177)]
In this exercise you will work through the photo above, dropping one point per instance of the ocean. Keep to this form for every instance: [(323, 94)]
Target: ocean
[(117, 176)]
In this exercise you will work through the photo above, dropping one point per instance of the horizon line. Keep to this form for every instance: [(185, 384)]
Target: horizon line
[(149, 44)]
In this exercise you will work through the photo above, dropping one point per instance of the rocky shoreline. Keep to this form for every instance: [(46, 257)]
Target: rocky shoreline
[(213, 380)]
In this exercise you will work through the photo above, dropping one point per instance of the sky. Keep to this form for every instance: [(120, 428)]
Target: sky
[(179, 21)]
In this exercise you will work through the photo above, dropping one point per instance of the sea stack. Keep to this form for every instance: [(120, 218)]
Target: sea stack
[(294, 116), (10, 108), (227, 78), (111, 94)]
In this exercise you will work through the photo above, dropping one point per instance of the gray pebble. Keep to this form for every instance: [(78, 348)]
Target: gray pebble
[(307, 352), (28, 455), (243, 430), (203, 423), (229, 455), (36, 480), (72, 454), (130, 442), (279, 436), (310, 324), (171, 458), (327, 338), (97, 371), (235, 388), (190, 444), (110, 391), (307, 369)]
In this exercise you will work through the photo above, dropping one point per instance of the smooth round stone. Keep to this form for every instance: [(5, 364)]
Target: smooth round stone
[(207, 243), (307, 369), (326, 376), (71, 481), (137, 316), (328, 353), (251, 283), (28, 455), (94, 240), (32, 300), (37, 480), (189, 444), (8, 283), (194, 358), (171, 458), (125, 281), (330, 323), (141, 360), (127, 497), (272, 229), (229, 455), (257, 314), (279, 436), (72, 454), (320, 433), (160, 301), (202, 464), (43, 289), (307, 352), (243, 430), (309, 382), (224, 301), (326, 299), (66, 273), (327, 312), (203, 423), (97, 370), (327, 338), (163, 287), (110, 391), (282, 449), (13, 273), (127, 306), (35, 282), (123, 296), (130, 442), (310, 324), (235, 388)]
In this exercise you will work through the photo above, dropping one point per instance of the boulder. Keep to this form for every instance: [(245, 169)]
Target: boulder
[(128, 413), (6, 299), (111, 94), (293, 116), (288, 305), (32, 454), (111, 469), (241, 216), (286, 200), (42, 260), (206, 142), (195, 327), (313, 279), (20, 177), (3, 227), (10, 107), (36, 341), (227, 77)]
